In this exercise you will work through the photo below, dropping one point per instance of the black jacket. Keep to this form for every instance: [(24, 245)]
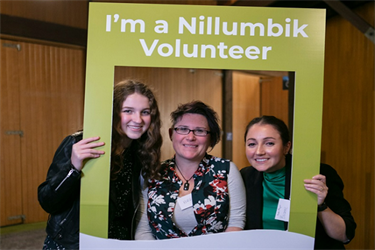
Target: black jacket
[(59, 195), (335, 200)]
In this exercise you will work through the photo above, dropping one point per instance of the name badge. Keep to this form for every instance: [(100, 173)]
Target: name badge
[(282, 212), (185, 201)]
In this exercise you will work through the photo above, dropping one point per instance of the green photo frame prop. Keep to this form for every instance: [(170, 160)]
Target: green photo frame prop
[(211, 37)]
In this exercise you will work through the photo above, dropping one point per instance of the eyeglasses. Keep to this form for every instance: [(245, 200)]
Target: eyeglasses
[(186, 131)]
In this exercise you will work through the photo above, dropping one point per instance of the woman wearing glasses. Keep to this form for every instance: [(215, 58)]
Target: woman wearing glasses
[(194, 193)]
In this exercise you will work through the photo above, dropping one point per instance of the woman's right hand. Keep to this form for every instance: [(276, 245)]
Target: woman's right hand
[(85, 149)]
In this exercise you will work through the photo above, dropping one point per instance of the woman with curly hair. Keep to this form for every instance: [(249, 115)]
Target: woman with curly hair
[(136, 142)]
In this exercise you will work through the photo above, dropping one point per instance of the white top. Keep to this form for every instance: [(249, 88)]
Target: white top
[(185, 219)]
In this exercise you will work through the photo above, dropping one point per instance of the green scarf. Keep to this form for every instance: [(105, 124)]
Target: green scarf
[(273, 190)]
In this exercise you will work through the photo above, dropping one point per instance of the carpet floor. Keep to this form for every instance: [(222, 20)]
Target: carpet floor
[(25, 236)]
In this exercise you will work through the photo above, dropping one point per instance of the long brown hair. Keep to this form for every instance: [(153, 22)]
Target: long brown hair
[(148, 145)]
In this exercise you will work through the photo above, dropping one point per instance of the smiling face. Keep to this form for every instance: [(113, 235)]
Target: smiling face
[(264, 148), (191, 147), (135, 116)]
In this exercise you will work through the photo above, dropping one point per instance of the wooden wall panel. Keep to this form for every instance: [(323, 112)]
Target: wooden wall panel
[(348, 118), (176, 86), (10, 144), (71, 12), (246, 106), (65, 12), (274, 99)]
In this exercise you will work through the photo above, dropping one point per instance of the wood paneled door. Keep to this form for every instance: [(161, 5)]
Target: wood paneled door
[(41, 93), (11, 134)]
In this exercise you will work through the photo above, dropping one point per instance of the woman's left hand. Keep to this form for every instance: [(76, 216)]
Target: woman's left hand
[(318, 186)]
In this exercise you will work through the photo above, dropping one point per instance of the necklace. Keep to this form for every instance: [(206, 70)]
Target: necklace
[(186, 185)]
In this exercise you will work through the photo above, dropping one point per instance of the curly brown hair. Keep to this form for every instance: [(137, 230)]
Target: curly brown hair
[(148, 145)]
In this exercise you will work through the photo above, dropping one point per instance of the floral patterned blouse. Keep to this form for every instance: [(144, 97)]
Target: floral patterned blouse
[(210, 199)]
